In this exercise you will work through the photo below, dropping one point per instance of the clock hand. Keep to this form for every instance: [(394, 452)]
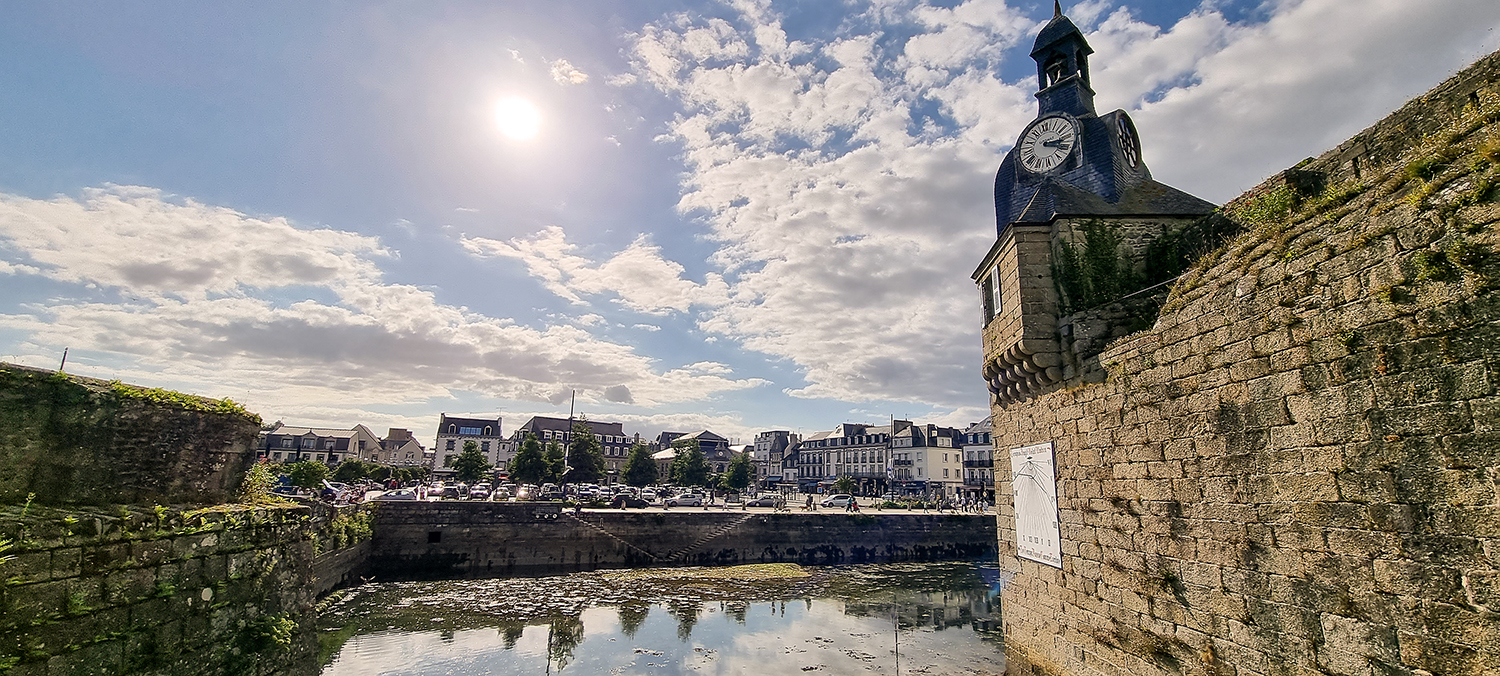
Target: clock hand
[(1054, 143)]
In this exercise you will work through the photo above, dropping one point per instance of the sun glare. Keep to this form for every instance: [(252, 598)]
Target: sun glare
[(517, 118)]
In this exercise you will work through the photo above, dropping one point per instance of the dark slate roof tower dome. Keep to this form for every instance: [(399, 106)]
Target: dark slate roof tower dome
[(1071, 161)]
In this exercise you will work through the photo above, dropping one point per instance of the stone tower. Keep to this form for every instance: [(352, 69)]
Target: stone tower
[(1069, 167)]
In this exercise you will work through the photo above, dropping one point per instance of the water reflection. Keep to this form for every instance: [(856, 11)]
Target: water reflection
[(889, 619)]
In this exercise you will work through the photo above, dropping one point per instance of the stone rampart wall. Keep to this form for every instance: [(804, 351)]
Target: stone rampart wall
[(1295, 471), (72, 440), (455, 539), (222, 591)]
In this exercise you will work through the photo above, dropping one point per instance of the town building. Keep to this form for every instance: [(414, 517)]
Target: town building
[(399, 447), (285, 443), (979, 461), (715, 449), (927, 460), (769, 451), (454, 431), (858, 451), (614, 444)]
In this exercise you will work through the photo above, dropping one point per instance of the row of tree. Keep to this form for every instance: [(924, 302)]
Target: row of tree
[(583, 462)]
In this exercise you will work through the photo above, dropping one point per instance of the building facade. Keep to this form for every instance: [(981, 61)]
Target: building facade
[(285, 443), (769, 451), (979, 461), (399, 447), (614, 444), (454, 431), (927, 460)]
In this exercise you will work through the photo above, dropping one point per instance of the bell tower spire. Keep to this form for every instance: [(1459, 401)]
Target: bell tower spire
[(1062, 67)]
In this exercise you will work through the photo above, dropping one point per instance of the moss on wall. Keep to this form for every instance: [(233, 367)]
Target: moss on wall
[(73, 440)]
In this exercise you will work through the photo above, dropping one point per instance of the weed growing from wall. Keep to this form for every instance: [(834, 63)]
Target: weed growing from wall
[(1095, 271), (159, 396)]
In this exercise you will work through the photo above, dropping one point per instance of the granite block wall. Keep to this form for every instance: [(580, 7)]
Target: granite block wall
[(142, 591), (1295, 470)]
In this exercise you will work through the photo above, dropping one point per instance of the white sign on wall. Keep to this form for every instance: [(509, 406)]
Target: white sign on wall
[(1034, 486)]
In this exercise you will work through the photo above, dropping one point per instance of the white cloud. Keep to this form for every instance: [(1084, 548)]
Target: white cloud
[(639, 277), (848, 219), (1230, 104), (852, 263), (214, 297), (565, 73)]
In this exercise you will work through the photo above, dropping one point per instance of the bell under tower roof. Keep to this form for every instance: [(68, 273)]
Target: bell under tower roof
[(1062, 67)]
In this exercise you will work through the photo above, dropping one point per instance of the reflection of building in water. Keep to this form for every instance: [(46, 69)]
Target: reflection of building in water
[(935, 610)]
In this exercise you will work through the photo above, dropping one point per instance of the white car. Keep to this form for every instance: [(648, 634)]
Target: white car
[(840, 500), (685, 500), (399, 494)]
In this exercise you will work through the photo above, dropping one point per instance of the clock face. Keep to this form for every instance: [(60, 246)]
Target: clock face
[(1047, 143), (1130, 144)]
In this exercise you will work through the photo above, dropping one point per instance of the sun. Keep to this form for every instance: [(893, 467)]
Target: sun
[(517, 118)]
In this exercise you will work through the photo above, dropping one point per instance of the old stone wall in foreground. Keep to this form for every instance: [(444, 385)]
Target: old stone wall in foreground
[(1294, 471), (71, 440)]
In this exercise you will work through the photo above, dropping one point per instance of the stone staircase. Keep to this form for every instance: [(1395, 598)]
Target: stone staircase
[(677, 555), (612, 536)]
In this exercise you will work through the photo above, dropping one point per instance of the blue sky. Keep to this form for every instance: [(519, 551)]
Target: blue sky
[(738, 216)]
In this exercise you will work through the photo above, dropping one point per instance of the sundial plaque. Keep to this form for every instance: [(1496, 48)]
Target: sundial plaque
[(1034, 486)]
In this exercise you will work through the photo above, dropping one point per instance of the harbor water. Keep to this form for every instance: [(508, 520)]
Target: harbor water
[(936, 618)]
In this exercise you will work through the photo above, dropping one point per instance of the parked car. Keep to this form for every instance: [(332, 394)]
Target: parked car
[(480, 491), (622, 501), (765, 501), (399, 494), (648, 495), (685, 500), (527, 492), (552, 495), (334, 491), (840, 500)]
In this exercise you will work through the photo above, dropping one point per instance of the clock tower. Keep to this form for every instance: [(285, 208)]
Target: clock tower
[(1070, 169)]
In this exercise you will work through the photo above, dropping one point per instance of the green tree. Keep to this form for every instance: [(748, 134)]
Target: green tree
[(844, 484), (689, 468), (352, 470), (307, 474), (471, 465), (640, 467), (585, 458), (528, 467), (739, 473), (556, 463), (256, 488)]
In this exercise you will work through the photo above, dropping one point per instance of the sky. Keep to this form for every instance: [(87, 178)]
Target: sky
[(678, 215)]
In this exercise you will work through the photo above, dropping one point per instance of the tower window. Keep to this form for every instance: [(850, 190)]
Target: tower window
[(1057, 69)]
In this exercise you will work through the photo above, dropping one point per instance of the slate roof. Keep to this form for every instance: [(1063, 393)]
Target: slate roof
[(1054, 198), (445, 420), (1056, 30)]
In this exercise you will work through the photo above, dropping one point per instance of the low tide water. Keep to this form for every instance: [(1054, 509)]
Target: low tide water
[(937, 618)]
